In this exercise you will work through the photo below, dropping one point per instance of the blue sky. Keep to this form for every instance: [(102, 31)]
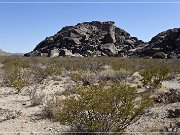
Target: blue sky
[(23, 26)]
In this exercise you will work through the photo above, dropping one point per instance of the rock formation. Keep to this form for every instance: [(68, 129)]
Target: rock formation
[(164, 45), (88, 39), (105, 39)]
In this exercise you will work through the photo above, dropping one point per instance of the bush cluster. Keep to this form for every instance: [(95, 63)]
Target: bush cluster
[(17, 74), (100, 108), (154, 75)]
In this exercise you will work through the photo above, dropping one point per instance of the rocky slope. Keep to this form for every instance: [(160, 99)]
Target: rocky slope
[(164, 45), (88, 39), (105, 39)]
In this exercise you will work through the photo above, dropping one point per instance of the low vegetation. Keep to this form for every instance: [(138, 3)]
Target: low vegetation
[(6, 114), (102, 99), (17, 74), (100, 108), (155, 75)]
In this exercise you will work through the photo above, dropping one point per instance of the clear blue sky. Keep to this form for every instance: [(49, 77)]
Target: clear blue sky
[(23, 26)]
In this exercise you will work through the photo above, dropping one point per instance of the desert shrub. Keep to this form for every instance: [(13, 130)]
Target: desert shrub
[(112, 75), (48, 109), (37, 99), (89, 78), (154, 75), (54, 67), (160, 55), (41, 68), (6, 114), (17, 74), (93, 66), (85, 77), (97, 108), (76, 75), (36, 95), (38, 72)]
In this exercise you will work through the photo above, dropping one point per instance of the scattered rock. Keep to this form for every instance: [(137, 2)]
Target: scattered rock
[(171, 96), (174, 113)]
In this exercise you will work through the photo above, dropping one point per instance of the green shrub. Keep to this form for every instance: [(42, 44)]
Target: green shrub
[(155, 75), (160, 55), (17, 74), (93, 66), (76, 76), (100, 108)]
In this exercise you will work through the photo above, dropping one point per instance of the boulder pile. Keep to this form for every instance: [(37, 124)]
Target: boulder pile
[(164, 45), (105, 39), (88, 39)]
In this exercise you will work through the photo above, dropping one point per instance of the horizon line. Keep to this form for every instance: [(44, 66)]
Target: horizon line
[(92, 2)]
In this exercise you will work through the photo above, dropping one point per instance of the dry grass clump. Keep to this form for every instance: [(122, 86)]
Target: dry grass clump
[(36, 97), (48, 109), (6, 114), (112, 75), (88, 77)]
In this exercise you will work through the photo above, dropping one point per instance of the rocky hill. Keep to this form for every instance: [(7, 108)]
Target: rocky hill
[(105, 39), (164, 45), (88, 39)]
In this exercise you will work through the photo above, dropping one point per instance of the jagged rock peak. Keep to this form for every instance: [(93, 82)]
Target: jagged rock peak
[(88, 39)]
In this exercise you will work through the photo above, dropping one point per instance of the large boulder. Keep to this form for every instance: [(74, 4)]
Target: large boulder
[(109, 49), (54, 53)]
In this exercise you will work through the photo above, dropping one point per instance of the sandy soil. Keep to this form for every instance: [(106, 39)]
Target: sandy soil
[(28, 122)]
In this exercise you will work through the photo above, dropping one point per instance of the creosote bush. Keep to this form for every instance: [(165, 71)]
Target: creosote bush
[(100, 108), (17, 74), (155, 75)]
